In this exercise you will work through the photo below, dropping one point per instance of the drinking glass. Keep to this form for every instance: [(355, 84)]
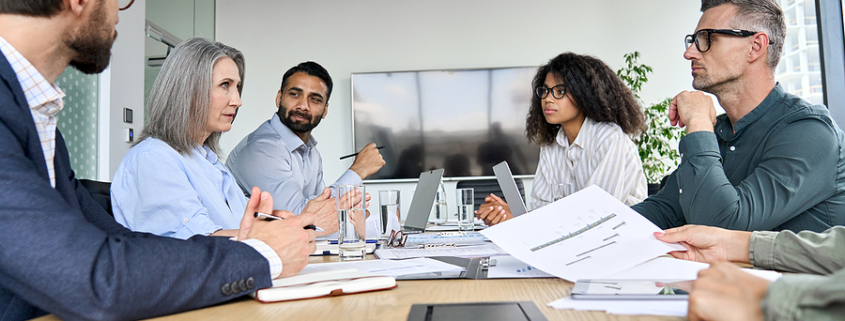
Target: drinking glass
[(466, 217), (351, 223), (561, 190), (388, 201)]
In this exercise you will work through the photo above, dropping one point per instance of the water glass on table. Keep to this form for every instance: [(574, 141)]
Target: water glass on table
[(351, 222), (440, 210), (561, 190), (466, 217), (389, 203)]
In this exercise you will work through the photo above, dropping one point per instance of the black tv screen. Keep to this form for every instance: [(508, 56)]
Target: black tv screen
[(464, 121)]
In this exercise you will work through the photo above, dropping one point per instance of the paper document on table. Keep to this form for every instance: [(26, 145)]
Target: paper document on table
[(586, 235), (387, 267), (479, 250), (676, 308), (662, 268), (508, 267)]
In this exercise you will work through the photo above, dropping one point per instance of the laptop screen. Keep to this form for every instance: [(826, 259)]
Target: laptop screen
[(509, 189), (423, 200)]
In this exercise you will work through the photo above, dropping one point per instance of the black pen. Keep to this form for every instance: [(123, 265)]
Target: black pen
[(356, 154), (268, 217)]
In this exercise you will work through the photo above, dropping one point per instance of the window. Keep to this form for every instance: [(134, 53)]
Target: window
[(799, 71)]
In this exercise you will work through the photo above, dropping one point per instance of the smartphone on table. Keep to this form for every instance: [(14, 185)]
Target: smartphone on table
[(597, 289)]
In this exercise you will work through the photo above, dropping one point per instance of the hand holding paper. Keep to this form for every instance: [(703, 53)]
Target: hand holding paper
[(587, 235)]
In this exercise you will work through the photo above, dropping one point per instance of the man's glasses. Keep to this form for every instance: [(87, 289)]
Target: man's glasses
[(397, 239), (557, 91), (125, 4), (702, 39)]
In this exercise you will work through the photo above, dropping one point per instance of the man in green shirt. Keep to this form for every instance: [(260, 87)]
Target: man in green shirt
[(724, 292), (773, 161)]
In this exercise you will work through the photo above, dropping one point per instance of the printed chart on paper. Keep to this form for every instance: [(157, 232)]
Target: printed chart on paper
[(589, 234)]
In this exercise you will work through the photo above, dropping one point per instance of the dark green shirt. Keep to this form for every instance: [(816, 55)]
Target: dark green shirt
[(784, 168)]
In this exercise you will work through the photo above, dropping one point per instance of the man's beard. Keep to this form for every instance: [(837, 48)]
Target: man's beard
[(298, 127), (705, 82), (93, 50)]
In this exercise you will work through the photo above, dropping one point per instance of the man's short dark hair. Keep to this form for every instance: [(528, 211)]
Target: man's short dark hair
[(758, 15), (312, 69), (32, 8)]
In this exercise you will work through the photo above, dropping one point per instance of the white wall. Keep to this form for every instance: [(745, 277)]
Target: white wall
[(385, 35), (124, 80)]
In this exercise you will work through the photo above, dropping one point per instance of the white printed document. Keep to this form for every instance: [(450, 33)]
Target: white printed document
[(466, 251), (587, 235), (387, 267)]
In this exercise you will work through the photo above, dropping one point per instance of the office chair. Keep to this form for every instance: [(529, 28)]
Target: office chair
[(100, 192), (484, 187)]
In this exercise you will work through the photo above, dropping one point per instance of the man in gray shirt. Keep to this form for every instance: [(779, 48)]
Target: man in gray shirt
[(773, 161), (281, 156), (724, 292)]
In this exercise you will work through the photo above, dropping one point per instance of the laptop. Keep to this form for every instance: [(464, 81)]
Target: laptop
[(422, 202), (509, 189)]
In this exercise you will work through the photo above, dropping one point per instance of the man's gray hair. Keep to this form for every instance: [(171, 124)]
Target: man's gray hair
[(181, 94), (758, 15)]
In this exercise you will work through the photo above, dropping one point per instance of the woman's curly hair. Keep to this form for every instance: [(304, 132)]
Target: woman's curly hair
[(594, 88)]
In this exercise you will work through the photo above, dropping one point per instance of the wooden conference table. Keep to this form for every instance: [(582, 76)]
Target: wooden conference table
[(396, 303)]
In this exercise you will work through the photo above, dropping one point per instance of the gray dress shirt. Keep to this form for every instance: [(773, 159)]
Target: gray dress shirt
[(818, 295), (784, 168), (276, 160)]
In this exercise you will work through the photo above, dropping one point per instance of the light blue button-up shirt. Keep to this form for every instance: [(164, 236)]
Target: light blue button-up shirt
[(276, 160), (159, 191)]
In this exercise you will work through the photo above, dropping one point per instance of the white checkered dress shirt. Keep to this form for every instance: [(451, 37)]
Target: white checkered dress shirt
[(44, 100)]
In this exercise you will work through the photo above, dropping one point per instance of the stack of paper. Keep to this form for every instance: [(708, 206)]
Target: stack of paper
[(467, 251), (387, 267), (659, 268), (508, 267)]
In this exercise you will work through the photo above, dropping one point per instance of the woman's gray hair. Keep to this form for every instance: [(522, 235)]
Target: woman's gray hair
[(181, 94), (758, 15)]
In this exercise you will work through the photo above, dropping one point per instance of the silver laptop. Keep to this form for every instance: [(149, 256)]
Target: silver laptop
[(509, 189), (423, 199)]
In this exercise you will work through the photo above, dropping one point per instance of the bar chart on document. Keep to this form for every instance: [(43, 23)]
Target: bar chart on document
[(588, 234), (597, 223)]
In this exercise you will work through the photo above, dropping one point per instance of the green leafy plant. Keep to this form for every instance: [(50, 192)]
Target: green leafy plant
[(655, 143)]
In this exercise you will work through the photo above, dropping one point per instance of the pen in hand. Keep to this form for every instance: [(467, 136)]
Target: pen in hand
[(356, 154), (268, 217)]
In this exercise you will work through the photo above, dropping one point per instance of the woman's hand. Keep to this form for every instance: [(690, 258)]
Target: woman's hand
[(494, 210)]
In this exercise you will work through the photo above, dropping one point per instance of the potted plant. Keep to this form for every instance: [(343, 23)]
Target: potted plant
[(655, 143)]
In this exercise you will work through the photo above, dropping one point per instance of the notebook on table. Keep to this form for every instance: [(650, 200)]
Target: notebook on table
[(509, 189), (323, 284)]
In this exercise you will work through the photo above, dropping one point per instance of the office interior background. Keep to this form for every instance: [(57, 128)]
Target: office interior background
[(383, 35)]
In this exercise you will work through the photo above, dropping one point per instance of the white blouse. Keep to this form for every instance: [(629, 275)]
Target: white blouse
[(601, 155)]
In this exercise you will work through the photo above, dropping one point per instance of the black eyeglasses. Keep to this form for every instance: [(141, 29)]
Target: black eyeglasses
[(557, 91), (701, 38), (125, 4)]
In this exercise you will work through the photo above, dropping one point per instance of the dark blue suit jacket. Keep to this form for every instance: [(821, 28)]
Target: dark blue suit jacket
[(62, 253)]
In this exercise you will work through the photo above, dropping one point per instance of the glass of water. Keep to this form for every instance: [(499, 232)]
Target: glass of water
[(466, 217), (388, 201), (351, 222), (561, 190), (440, 210)]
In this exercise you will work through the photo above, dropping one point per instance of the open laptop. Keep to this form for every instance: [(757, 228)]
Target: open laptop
[(509, 189), (423, 199)]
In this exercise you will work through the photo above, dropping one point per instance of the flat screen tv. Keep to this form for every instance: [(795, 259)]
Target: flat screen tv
[(464, 121)]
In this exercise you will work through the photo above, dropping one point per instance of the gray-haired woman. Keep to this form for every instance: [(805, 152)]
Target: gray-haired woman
[(171, 183)]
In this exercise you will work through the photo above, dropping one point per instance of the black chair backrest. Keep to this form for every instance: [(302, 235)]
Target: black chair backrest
[(483, 187), (100, 192)]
